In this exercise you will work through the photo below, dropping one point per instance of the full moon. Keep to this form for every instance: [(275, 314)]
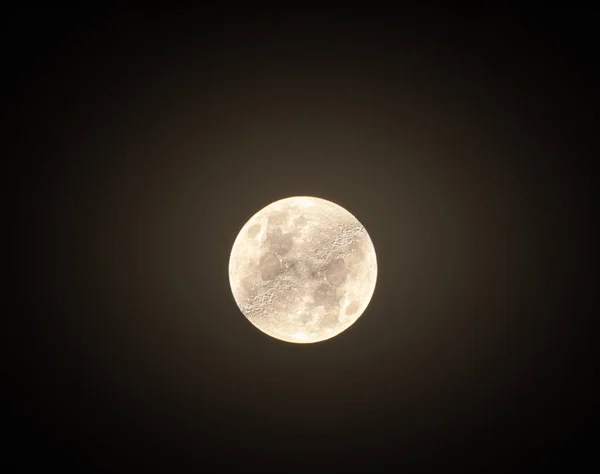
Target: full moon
[(302, 269)]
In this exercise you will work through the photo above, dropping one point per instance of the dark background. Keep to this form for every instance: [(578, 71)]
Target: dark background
[(140, 141)]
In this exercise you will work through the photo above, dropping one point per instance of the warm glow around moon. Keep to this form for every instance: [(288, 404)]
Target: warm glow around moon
[(302, 269)]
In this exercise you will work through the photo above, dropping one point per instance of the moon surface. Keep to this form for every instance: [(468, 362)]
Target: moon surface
[(302, 269)]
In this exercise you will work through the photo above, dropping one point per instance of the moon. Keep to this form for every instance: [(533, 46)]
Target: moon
[(302, 269)]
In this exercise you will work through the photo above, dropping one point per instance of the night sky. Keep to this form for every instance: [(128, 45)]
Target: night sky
[(141, 141)]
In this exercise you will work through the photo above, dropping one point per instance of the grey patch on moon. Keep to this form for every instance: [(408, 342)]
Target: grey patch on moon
[(247, 285), (336, 272), (306, 318), (300, 221), (325, 295), (253, 231), (355, 251), (330, 320), (352, 308), (277, 218), (286, 302), (279, 242), (269, 266)]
